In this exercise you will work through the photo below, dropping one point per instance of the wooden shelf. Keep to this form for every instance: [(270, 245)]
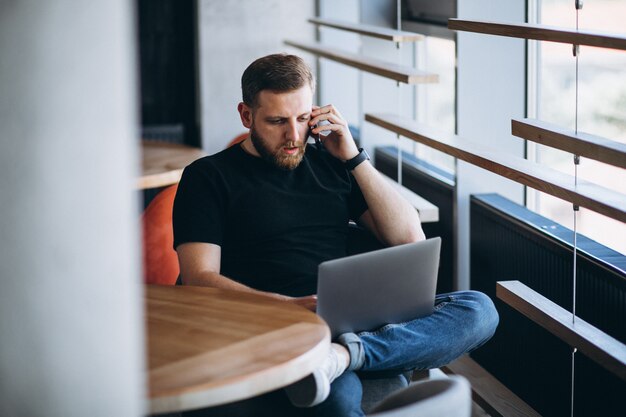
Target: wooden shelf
[(404, 74), (369, 30), (585, 194), (583, 144), (494, 397), (541, 33), (594, 343)]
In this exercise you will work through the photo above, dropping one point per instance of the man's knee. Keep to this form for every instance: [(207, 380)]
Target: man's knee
[(482, 316)]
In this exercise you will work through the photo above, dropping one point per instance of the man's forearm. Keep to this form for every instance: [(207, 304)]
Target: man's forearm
[(396, 221), (393, 219), (217, 280)]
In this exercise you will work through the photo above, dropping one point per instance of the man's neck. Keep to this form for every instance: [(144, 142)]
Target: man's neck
[(249, 148)]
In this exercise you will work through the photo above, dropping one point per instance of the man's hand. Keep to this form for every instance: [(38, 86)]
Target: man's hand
[(309, 302), (339, 143)]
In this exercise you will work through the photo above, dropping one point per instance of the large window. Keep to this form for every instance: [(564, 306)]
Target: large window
[(601, 109), (436, 103)]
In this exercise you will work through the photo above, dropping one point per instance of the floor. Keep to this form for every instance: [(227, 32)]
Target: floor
[(477, 410)]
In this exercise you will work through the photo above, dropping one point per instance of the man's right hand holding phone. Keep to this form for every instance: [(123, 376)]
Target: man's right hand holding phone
[(338, 141)]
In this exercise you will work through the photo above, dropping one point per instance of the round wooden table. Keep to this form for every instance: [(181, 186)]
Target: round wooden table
[(163, 162), (208, 346)]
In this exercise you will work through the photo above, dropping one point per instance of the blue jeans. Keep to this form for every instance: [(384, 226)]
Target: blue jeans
[(462, 321)]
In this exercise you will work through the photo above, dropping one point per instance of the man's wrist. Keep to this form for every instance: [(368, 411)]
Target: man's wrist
[(352, 155), (361, 157)]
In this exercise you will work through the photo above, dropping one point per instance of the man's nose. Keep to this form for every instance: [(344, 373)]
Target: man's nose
[(292, 131)]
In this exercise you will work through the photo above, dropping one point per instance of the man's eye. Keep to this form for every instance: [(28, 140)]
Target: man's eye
[(304, 119), (276, 121)]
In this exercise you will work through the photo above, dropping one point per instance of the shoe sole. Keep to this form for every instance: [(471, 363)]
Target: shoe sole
[(309, 391)]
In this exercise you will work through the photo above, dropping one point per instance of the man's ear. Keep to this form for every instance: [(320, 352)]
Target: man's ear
[(245, 113)]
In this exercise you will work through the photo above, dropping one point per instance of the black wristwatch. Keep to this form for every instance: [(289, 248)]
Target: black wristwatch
[(354, 162)]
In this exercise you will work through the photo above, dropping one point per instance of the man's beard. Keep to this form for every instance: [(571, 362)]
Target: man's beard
[(277, 156)]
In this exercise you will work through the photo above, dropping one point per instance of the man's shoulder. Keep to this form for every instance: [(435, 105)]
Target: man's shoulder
[(211, 169), (218, 160)]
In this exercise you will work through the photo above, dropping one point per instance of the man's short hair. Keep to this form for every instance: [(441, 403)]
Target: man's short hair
[(278, 73)]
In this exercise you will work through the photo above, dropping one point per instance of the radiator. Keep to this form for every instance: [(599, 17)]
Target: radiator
[(509, 242)]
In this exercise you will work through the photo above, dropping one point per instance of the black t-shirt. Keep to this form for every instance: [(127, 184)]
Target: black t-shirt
[(274, 226)]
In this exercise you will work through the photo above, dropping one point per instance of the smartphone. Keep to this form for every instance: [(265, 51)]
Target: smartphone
[(322, 133)]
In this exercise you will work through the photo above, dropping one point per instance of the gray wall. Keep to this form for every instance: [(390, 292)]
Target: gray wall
[(232, 34), (491, 90), (340, 84), (71, 334)]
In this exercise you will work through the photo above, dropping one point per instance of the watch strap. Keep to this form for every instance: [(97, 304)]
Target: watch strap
[(362, 156)]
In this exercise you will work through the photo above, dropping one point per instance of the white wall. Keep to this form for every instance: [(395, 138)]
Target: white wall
[(232, 34), (340, 84), (490, 92), (71, 334), (380, 94)]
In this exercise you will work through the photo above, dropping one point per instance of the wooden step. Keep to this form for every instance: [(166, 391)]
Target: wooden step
[(550, 181), (583, 144), (488, 392), (541, 33), (369, 30), (593, 342), (401, 73)]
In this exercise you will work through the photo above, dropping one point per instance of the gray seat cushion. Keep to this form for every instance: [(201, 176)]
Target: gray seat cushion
[(450, 397), (377, 389)]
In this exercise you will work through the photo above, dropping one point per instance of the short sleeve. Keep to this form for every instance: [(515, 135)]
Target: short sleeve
[(356, 202), (198, 207)]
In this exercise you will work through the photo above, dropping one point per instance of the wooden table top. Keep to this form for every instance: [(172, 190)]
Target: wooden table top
[(208, 346), (163, 162)]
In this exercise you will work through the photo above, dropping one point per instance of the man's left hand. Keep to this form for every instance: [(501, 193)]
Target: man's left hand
[(309, 302)]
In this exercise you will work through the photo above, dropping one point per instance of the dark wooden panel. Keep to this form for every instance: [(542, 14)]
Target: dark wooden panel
[(597, 345), (488, 392), (401, 73)]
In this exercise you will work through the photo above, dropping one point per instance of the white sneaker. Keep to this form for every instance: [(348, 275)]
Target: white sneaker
[(315, 388)]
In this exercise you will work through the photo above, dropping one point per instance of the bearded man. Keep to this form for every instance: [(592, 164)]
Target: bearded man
[(262, 215)]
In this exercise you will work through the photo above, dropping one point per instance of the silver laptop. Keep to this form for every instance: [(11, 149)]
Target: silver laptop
[(391, 285)]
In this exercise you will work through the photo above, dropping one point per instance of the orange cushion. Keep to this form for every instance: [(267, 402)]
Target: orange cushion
[(159, 258), (238, 139)]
